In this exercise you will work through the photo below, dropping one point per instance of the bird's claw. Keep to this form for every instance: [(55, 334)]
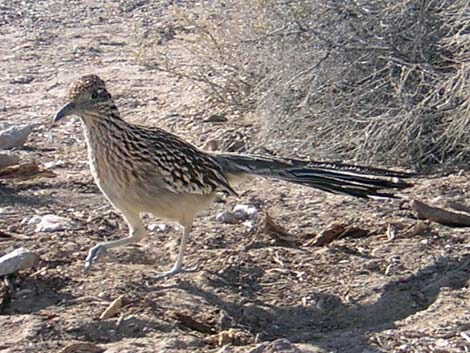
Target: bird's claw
[(94, 254), (174, 271)]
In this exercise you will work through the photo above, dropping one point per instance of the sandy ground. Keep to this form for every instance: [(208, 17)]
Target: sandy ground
[(359, 294)]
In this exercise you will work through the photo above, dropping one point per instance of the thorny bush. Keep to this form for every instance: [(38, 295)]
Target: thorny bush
[(380, 80)]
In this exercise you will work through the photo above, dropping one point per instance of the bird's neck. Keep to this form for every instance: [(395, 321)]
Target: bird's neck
[(102, 123), (108, 140), (105, 131)]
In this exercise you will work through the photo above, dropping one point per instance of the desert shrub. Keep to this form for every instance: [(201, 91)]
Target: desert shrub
[(366, 80)]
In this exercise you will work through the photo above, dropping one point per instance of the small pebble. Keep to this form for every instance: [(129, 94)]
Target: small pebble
[(54, 164), (442, 343), (161, 227), (243, 212), (22, 80), (250, 225), (227, 218)]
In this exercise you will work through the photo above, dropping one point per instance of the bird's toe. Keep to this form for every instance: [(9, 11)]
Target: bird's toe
[(175, 270), (94, 254)]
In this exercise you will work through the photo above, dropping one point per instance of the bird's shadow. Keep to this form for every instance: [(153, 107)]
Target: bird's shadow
[(334, 324)]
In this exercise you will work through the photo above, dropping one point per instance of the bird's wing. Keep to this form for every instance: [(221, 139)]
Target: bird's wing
[(183, 167)]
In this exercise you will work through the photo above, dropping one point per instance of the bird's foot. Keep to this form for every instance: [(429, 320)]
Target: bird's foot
[(174, 271), (95, 254)]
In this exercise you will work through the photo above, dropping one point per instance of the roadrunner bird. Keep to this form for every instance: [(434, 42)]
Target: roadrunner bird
[(148, 170)]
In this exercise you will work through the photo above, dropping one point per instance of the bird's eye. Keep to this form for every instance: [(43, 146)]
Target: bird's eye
[(94, 95)]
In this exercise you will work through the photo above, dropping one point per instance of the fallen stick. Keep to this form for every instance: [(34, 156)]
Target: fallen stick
[(113, 309), (440, 215)]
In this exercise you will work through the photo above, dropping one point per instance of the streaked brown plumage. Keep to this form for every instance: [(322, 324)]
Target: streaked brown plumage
[(143, 169)]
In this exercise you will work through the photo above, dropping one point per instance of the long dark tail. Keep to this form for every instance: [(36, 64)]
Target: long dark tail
[(331, 177)]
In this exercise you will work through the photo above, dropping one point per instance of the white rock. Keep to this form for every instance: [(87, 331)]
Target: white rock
[(12, 135), (54, 164), (50, 223), (243, 212), (18, 259)]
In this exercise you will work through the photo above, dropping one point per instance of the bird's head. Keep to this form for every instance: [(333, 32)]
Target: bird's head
[(87, 97)]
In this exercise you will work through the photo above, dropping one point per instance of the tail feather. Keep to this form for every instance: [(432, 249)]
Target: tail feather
[(336, 178)]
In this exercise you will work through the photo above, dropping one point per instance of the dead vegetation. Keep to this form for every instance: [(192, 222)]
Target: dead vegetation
[(368, 80)]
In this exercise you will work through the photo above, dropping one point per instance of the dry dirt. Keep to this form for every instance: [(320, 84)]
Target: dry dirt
[(364, 294)]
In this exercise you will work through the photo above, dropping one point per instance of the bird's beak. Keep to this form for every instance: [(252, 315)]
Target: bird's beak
[(66, 110)]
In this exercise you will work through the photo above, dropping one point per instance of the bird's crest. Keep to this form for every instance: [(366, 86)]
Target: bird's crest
[(85, 84)]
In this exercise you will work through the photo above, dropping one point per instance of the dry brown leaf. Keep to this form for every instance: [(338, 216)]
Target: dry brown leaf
[(25, 171), (336, 231), (113, 309), (82, 347), (327, 235), (440, 215), (278, 232), (235, 337), (188, 322), (416, 229)]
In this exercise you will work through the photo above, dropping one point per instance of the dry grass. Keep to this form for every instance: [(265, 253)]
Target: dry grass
[(368, 80)]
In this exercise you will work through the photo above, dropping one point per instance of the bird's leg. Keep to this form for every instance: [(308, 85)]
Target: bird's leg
[(136, 233), (178, 266)]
